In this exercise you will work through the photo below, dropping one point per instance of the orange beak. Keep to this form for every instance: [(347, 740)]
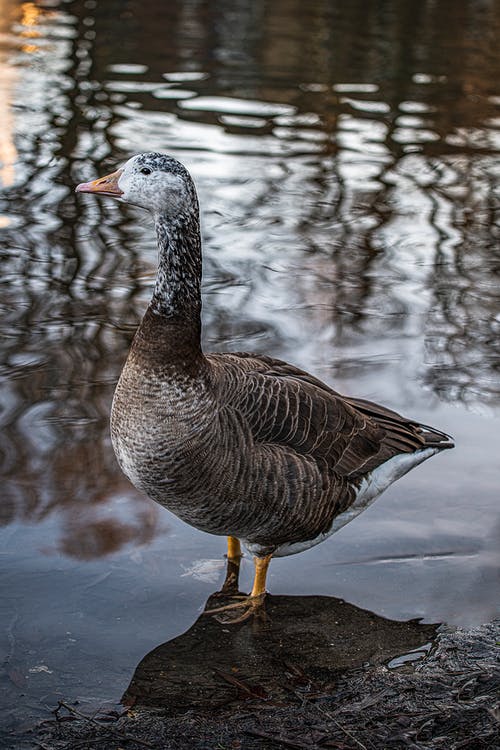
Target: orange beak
[(103, 186)]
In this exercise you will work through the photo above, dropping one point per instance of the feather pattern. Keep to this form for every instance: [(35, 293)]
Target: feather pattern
[(249, 446)]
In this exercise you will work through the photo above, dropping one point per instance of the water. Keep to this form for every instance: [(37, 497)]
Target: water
[(347, 165)]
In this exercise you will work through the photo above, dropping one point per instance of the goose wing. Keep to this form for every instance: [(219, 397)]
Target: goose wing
[(283, 405)]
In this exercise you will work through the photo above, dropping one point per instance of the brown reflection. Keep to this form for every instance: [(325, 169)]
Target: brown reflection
[(8, 79), (31, 17), (310, 640), (115, 520)]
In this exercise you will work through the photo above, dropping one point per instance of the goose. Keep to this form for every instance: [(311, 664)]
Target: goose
[(238, 444)]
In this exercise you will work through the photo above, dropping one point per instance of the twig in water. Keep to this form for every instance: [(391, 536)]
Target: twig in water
[(253, 691), (121, 735), (280, 739)]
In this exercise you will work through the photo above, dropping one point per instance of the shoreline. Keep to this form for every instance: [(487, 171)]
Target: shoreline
[(290, 685)]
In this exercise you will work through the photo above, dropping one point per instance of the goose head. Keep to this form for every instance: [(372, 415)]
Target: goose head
[(153, 181)]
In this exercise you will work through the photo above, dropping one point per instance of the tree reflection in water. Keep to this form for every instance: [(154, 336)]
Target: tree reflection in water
[(349, 212)]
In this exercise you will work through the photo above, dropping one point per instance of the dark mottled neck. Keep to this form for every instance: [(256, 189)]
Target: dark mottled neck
[(168, 346), (177, 292)]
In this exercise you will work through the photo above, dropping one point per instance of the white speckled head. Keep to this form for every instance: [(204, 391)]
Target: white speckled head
[(154, 181), (161, 185)]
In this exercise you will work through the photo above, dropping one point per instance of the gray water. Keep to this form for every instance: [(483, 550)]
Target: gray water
[(347, 162)]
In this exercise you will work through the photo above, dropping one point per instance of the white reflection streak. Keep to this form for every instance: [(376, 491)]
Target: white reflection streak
[(8, 151), (30, 15)]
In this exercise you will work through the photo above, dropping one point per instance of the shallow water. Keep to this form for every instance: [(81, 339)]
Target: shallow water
[(347, 166)]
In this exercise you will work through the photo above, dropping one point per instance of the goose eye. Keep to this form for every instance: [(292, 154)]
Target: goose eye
[(145, 170)]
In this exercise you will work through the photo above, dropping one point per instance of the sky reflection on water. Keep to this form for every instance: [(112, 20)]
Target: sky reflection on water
[(347, 165)]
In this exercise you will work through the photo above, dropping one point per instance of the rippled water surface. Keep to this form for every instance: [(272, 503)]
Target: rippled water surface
[(346, 157)]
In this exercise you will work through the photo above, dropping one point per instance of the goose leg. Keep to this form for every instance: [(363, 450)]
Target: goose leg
[(230, 585), (252, 604)]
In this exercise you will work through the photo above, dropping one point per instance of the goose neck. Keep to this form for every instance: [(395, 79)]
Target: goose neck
[(177, 291)]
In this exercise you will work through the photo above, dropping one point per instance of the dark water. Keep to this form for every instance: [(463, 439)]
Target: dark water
[(347, 160)]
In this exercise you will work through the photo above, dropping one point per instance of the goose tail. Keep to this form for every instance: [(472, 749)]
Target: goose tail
[(435, 438)]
